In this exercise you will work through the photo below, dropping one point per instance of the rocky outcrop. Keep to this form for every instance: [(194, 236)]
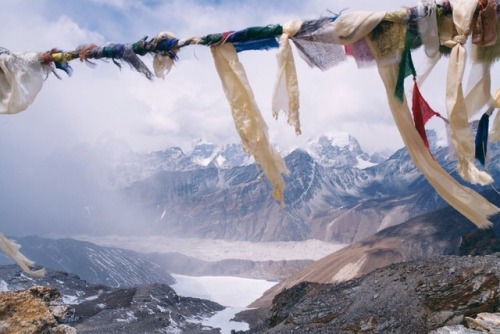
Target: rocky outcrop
[(144, 309), (484, 322), (414, 297), (28, 307), (33, 311)]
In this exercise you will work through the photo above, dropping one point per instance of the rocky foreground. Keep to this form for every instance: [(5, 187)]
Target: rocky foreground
[(61, 303), (412, 297), (444, 294)]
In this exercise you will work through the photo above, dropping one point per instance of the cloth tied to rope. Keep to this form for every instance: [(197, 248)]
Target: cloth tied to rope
[(286, 88), (248, 120), (21, 79), (460, 133)]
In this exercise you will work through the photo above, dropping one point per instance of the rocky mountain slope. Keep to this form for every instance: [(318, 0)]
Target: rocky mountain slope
[(97, 265), (414, 297), (441, 232)]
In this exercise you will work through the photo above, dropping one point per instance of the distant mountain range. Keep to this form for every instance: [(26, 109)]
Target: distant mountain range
[(336, 149), (327, 195)]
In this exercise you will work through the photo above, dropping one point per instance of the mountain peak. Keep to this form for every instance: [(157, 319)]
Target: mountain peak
[(203, 152), (338, 149), (333, 138)]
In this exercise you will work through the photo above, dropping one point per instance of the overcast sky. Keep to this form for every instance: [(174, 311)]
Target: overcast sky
[(105, 102)]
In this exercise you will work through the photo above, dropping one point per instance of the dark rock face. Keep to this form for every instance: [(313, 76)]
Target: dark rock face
[(144, 309), (413, 297)]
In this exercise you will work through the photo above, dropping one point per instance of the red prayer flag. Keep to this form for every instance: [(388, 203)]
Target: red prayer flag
[(422, 112)]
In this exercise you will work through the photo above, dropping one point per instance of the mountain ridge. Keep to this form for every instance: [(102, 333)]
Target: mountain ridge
[(342, 204)]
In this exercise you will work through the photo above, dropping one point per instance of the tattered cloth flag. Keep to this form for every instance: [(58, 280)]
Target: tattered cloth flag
[(316, 44), (11, 249), (406, 68), (495, 129), (21, 78), (422, 112), (462, 140), (247, 118), (122, 52), (255, 38), (165, 46), (286, 88), (484, 32), (428, 28), (361, 53)]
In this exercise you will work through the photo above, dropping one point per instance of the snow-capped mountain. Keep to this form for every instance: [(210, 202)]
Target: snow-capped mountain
[(338, 149), (131, 167), (331, 150), (341, 204)]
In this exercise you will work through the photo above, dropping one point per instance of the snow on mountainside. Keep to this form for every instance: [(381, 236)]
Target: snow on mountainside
[(132, 167), (98, 265), (331, 150), (338, 149)]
